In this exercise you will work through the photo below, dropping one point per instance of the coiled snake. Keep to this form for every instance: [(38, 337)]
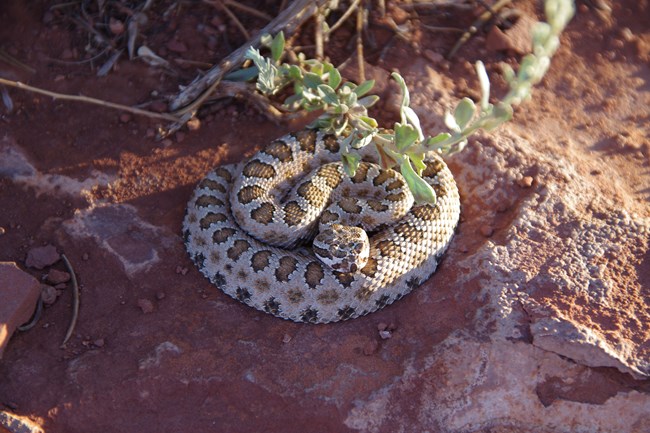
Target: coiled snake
[(250, 230)]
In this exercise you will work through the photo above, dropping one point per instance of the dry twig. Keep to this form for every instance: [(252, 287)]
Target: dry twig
[(476, 25), (191, 97), (75, 301), (86, 99)]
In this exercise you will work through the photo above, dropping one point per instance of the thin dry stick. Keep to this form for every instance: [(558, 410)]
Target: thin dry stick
[(343, 18), (86, 99), (360, 60), (191, 97), (75, 301), (234, 18), (318, 34), (248, 9), (482, 19), (15, 62)]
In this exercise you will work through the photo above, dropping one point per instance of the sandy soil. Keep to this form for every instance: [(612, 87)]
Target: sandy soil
[(157, 348)]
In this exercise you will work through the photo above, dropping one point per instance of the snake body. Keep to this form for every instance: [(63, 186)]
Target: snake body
[(250, 230)]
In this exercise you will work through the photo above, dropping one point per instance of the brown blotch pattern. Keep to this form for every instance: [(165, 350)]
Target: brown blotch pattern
[(408, 232), (382, 177), (426, 212), (249, 193), (256, 168), (389, 249), (307, 140), (371, 267), (264, 213), (399, 196), (432, 168), (215, 257), (210, 184), (208, 200), (222, 235), (293, 214), (211, 218), (396, 184), (331, 143), (238, 248), (295, 296), (377, 205), (260, 260), (328, 217), (223, 173), (314, 274), (344, 278), (312, 194), (287, 266), (350, 205), (331, 174), (280, 151), (361, 173), (328, 297), (322, 252)]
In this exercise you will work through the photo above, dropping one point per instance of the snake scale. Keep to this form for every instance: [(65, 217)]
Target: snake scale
[(250, 229)]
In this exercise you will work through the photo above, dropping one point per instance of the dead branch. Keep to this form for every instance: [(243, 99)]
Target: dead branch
[(191, 97)]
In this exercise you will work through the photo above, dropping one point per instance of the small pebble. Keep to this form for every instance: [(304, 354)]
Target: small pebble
[(2, 231), (99, 342), (85, 256), (41, 257), (167, 142), (385, 335), (125, 117), (54, 277), (286, 338), (48, 294), (160, 296), (193, 124), (525, 182), (145, 305), (382, 326), (61, 286)]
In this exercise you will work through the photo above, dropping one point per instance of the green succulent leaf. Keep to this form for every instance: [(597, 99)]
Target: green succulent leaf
[(334, 78), (405, 136), (241, 75), (412, 118), (484, 81), (364, 87), (417, 159), (351, 162), (432, 141), (328, 94), (277, 46), (464, 112), (368, 101), (422, 191), (312, 80)]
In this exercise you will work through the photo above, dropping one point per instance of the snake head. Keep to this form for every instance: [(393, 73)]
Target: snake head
[(342, 248)]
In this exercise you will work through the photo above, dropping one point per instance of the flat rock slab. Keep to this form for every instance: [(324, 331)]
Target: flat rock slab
[(19, 293)]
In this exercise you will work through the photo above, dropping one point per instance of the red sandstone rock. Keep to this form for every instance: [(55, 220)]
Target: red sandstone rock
[(55, 277), (19, 292), (41, 257)]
